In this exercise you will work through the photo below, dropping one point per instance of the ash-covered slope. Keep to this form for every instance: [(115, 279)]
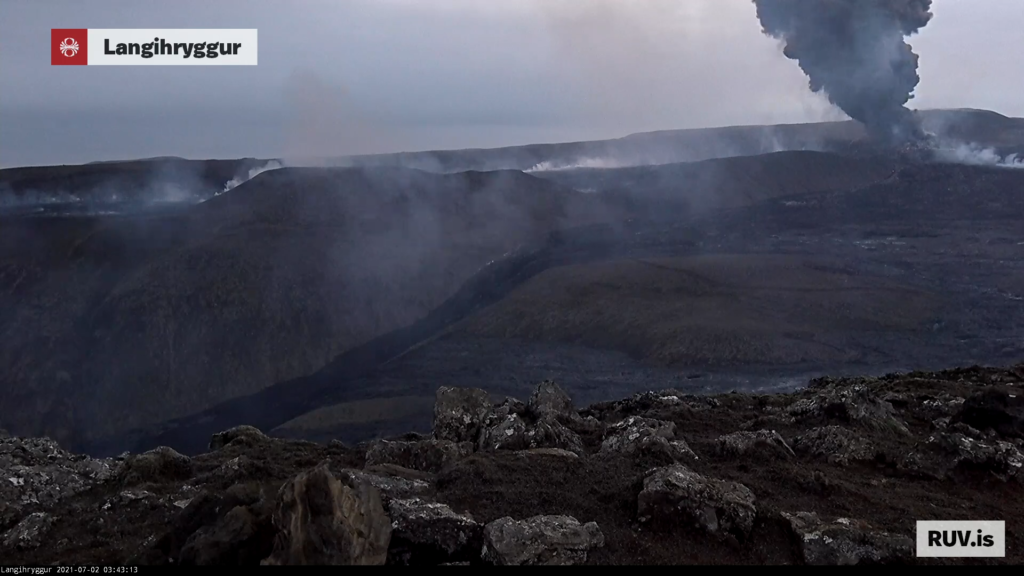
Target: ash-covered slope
[(922, 267), (112, 323), (694, 188), (837, 473), (137, 182)]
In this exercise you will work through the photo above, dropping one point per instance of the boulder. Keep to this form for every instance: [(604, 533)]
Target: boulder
[(846, 542), (945, 453), (325, 521), (507, 428), (37, 472), (161, 464), (555, 452), (540, 540), (766, 443), (550, 401), (503, 432), (459, 413), (238, 538), (847, 403), (995, 410), (428, 533), (676, 492), (391, 484), (243, 434), (636, 435), (834, 444), (425, 455), (29, 533)]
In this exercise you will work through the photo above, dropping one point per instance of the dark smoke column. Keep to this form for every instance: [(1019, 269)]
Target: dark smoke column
[(855, 51)]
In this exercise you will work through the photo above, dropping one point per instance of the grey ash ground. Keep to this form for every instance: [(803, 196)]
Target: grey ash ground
[(656, 478)]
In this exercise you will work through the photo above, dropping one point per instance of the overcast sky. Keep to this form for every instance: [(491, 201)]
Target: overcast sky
[(340, 77)]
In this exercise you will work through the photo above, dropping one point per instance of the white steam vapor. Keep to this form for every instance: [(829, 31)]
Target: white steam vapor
[(236, 182), (550, 166), (974, 154)]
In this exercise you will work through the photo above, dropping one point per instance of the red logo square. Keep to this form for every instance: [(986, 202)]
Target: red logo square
[(69, 46)]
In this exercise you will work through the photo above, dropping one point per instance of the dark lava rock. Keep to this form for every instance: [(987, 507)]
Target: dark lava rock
[(514, 433), (393, 484), (716, 506), (540, 540), (996, 410), (549, 400), (323, 521), (848, 402), (637, 435), (158, 465), (764, 443), (30, 532), (834, 444), (459, 413), (846, 542), (946, 453), (425, 455), (243, 434), (239, 538), (428, 534), (37, 472)]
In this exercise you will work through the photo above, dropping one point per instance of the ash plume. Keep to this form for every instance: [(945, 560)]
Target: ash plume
[(855, 52)]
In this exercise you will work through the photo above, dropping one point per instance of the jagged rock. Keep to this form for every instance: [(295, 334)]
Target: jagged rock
[(201, 521), (459, 413), (717, 506), (846, 542), (547, 452), (765, 442), (945, 405), (541, 540), (324, 521), (391, 486), (995, 410), (426, 455), (644, 435), (507, 434), (513, 433), (36, 471), (238, 538), (549, 400), (158, 465), (30, 532), (835, 444), (243, 434), (429, 533), (945, 453), (647, 402), (848, 404)]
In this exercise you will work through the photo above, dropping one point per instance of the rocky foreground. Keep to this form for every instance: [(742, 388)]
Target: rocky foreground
[(837, 473)]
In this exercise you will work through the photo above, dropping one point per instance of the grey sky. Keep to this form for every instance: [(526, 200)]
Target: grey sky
[(361, 76)]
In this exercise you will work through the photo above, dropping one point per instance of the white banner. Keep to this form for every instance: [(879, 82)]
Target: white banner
[(157, 47)]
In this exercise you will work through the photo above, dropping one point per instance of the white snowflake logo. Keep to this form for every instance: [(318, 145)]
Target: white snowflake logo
[(69, 47)]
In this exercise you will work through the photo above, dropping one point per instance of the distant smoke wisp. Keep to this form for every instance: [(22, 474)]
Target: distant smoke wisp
[(553, 166), (855, 52), (977, 155), (236, 182)]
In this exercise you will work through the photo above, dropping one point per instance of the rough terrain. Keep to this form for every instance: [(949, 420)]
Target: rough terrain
[(330, 303), (835, 473)]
